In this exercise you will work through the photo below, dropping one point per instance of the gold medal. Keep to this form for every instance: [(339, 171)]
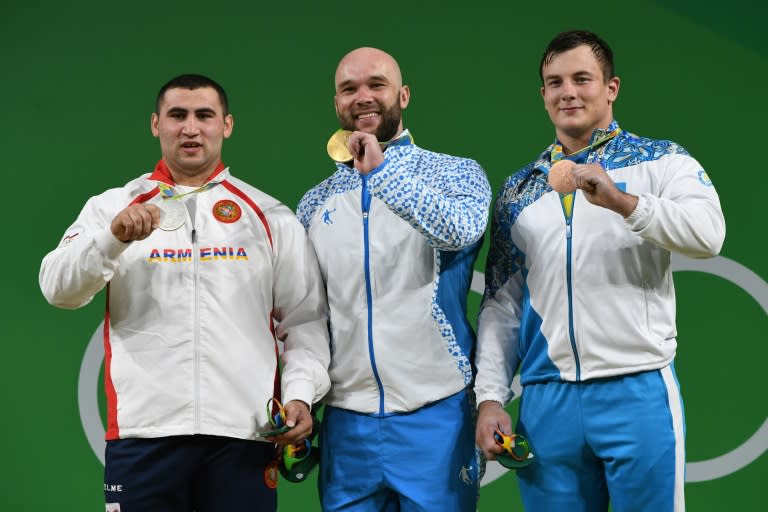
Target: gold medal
[(337, 146), (338, 149), (173, 214)]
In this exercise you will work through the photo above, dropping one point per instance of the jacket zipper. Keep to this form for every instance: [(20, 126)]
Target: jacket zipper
[(569, 281), (196, 333), (365, 199)]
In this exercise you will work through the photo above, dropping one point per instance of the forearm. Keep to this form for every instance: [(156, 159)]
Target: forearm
[(71, 275), (451, 213)]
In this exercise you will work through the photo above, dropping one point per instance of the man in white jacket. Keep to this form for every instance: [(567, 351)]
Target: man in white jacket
[(579, 296), (396, 229), (203, 274)]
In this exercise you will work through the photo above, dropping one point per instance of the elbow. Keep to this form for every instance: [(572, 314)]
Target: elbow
[(63, 302), (711, 250), (708, 247), (472, 234)]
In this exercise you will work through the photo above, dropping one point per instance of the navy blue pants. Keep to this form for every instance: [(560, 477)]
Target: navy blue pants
[(186, 473)]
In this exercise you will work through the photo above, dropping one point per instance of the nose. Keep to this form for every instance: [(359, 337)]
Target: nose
[(568, 90), (190, 127), (364, 96)]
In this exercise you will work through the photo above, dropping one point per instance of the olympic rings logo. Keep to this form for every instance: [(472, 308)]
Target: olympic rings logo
[(700, 471)]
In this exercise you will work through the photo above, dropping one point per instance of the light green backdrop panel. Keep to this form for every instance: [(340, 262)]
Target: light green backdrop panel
[(78, 84)]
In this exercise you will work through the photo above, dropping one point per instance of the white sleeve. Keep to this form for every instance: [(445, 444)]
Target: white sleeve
[(685, 216), (498, 325), (85, 260), (302, 312)]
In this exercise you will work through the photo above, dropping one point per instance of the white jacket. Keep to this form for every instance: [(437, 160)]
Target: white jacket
[(189, 344), (396, 248), (594, 298)]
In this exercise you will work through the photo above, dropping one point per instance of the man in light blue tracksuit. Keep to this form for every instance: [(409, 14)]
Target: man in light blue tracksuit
[(579, 296), (396, 229)]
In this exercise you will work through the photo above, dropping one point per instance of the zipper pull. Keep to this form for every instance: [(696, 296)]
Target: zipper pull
[(194, 235)]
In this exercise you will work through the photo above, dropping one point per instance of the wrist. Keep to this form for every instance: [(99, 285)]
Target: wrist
[(487, 405), (626, 204)]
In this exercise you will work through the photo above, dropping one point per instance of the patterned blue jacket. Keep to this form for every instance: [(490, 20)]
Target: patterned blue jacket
[(396, 249)]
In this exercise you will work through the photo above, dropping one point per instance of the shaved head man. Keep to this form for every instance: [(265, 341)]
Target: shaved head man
[(396, 229), (381, 111)]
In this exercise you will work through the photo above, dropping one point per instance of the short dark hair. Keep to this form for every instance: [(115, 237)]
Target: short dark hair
[(571, 39), (193, 82)]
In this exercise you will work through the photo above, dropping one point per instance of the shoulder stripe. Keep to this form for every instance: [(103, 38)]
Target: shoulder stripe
[(146, 196), (239, 193)]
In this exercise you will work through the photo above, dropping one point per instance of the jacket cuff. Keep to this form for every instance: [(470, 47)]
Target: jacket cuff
[(303, 390), (109, 246), (641, 215), (493, 397)]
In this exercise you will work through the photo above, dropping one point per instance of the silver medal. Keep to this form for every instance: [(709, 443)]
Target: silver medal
[(173, 214)]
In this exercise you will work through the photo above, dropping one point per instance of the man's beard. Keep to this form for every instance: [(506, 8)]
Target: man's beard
[(388, 124)]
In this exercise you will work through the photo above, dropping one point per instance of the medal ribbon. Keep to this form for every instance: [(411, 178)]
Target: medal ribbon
[(557, 152), (168, 192), (404, 139)]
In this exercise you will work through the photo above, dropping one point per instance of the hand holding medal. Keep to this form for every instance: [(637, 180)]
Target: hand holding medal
[(298, 457), (345, 146), (135, 222)]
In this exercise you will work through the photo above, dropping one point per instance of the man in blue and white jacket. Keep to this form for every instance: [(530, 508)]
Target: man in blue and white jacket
[(396, 232), (579, 296)]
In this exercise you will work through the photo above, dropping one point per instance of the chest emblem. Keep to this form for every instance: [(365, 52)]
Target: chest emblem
[(227, 211), (327, 216)]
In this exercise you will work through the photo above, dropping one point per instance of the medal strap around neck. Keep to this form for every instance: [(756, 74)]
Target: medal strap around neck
[(404, 139), (557, 152), (168, 192)]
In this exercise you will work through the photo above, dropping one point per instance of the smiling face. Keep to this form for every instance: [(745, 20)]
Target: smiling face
[(578, 97), (370, 96), (191, 127)]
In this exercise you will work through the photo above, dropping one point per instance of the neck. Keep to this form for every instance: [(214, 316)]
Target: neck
[(571, 143), (191, 178), (574, 142), (188, 181)]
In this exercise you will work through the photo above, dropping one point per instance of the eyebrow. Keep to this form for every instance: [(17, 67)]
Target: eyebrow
[(372, 78), (180, 110), (583, 72)]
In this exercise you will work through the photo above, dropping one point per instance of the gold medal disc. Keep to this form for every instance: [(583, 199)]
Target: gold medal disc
[(337, 146)]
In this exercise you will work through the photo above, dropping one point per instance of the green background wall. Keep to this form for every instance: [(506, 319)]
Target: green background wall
[(78, 81)]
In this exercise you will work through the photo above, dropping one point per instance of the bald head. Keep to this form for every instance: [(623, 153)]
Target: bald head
[(370, 94), (370, 61)]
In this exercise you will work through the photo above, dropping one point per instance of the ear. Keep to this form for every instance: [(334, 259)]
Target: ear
[(541, 90), (405, 96), (153, 124), (613, 89), (229, 124)]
